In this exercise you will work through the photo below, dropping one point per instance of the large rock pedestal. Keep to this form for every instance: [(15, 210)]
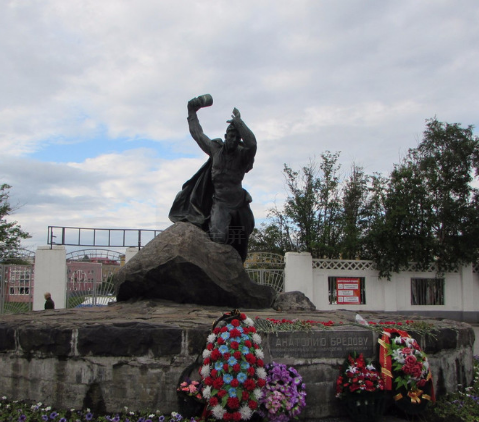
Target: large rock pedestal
[(183, 265)]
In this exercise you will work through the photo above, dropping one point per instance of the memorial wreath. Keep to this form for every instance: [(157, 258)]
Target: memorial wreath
[(233, 372), (405, 370)]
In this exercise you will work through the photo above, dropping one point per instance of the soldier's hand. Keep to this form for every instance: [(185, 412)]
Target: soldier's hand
[(194, 105), (235, 116)]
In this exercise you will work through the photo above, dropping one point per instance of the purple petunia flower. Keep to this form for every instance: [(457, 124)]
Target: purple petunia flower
[(53, 415), (89, 416), (22, 418)]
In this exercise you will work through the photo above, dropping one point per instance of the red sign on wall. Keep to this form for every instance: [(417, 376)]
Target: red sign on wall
[(349, 291)]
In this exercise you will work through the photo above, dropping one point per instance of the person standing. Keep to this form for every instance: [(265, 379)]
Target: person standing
[(49, 303)]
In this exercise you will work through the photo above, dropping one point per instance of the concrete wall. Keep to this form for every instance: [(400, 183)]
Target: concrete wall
[(311, 277), (106, 366), (50, 276)]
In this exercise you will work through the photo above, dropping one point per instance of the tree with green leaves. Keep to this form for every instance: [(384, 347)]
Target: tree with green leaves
[(431, 207), (11, 233)]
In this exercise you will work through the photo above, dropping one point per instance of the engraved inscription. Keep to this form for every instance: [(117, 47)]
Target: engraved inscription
[(320, 344)]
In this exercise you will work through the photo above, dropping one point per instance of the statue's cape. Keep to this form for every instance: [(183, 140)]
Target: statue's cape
[(193, 203)]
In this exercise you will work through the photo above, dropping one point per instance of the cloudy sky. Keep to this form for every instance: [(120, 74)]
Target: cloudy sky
[(93, 95)]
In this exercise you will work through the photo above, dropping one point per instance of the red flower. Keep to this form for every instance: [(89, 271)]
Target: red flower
[(225, 367), (235, 323), (245, 330), (236, 368), (234, 345), (236, 416), (249, 384), (210, 346), (255, 346), (221, 393), (252, 404), (220, 341), (252, 330), (206, 361), (213, 401), (208, 381), (410, 360), (260, 363), (214, 373), (235, 333), (261, 382), (248, 343), (237, 355), (218, 383), (245, 396), (234, 383), (216, 330), (227, 416), (233, 403), (250, 358), (250, 371), (226, 356), (224, 329), (243, 317)]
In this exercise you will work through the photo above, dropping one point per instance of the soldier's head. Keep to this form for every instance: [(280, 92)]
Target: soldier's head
[(232, 138)]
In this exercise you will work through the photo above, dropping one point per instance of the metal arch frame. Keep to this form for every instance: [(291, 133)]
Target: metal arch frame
[(93, 252)]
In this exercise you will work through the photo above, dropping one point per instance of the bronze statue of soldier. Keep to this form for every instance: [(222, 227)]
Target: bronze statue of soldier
[(214, 199)]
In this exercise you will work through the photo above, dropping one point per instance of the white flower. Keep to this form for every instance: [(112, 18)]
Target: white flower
[(152, 415), (207, 392), (205, 371), (211, 338), (261, 372), (259, 353), (246, 412), (257, 393), (249, 322), (256, 338), (370, 367), (397, 355), (352, 369), (218, 412), (206, 353)]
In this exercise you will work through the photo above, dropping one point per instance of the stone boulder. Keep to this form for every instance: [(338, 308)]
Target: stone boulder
[(293, 301), (183, 265)]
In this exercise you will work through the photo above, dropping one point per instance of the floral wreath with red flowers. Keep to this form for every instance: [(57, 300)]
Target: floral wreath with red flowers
[(407, 366), (233, 373), (358, 377)]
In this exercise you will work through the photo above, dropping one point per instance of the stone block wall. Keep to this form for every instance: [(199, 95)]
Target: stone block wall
[(106, 366)]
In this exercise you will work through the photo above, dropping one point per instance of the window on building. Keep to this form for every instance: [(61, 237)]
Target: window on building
[(347, 290), (427, 291)]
